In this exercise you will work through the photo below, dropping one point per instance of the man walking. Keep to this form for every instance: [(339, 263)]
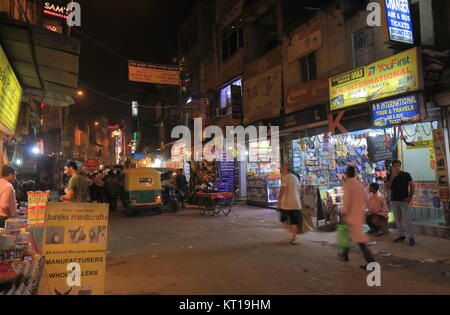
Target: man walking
[(355, 204), (8, 202), (78, 187), (289, 202), (402, 191)]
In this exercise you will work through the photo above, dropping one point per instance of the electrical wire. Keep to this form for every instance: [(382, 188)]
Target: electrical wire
[(116, 99)]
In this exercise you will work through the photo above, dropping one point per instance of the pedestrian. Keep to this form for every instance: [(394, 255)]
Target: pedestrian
[(112, 186), (289, 203), (354, 208), (378, 212), (402, 191), (78, 187), (8, 202), (99, 187), (182, 186)]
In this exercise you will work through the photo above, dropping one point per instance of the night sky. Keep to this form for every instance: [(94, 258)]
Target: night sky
[(143, 30)]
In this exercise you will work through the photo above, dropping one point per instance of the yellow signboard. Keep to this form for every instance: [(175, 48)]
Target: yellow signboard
[(420, 144), (75, 241), (10, 96), (385, 78)]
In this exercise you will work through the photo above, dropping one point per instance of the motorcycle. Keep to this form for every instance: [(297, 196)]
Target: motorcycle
[(170, 200)]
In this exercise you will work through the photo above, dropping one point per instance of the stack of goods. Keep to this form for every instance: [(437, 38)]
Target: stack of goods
[(16, 259)]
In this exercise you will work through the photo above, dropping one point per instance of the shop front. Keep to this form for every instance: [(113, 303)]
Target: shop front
[(377, 114)]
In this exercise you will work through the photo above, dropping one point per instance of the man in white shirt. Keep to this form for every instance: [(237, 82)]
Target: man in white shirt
[(8, 202), (289, 202)]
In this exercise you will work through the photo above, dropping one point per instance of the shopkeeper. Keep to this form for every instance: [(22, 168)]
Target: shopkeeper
[(8, 202)]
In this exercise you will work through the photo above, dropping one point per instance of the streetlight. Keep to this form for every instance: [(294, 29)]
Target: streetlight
[(96, 123), (35, 150), (80, 93)]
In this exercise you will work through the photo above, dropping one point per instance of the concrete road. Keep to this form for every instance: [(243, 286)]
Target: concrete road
[(248, 253)]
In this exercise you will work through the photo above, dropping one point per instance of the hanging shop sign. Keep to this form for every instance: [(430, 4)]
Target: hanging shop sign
[(75, 240), (153, 73), (262, 96), (305, 95), (399, 24), (394, 75), (440, 140), (10, 96), (379, 149), (349, 120), (304, 42), (426, 195), (397, 111)]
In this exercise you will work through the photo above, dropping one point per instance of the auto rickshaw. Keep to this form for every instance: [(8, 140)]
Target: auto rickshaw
[(142, 190)]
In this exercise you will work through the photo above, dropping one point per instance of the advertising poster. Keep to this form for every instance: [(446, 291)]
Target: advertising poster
[(385, 78), (399, 23), (75, 241), (378, 150), (397, 111), (305, 41), (426, 195), (262, 96), (306, 95), (153, 73)]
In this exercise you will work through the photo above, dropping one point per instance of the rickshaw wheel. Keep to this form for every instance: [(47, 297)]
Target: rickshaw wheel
[(202, 210), (211, 210), (226, 209)]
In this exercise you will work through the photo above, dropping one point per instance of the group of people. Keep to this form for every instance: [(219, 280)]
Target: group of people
[(359, 207), (97, 188)]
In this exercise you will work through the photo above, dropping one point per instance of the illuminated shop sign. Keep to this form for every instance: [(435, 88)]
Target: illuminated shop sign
[(56, 10), (400, 110), (399, 21), (389, 77)]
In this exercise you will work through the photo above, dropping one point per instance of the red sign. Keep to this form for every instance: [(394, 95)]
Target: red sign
[(113, 127), (92, 164), (306, 95)]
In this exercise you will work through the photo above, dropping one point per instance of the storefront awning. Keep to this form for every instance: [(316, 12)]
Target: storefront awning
[(46, 63)]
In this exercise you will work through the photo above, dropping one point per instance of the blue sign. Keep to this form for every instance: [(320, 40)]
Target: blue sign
[(138, 156), (399, 21), (227, 174), (393, 112)]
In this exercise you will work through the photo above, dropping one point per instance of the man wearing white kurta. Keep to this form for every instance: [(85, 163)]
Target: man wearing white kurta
[(355, 205)]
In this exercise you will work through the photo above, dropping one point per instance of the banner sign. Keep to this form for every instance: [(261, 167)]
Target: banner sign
[(10, 96), (393, 112), (304, 42), (153, 73), (440, 140), (75, 241), (378, 150), (399, 21), (385, 78), (426, 195), (262, 96)]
